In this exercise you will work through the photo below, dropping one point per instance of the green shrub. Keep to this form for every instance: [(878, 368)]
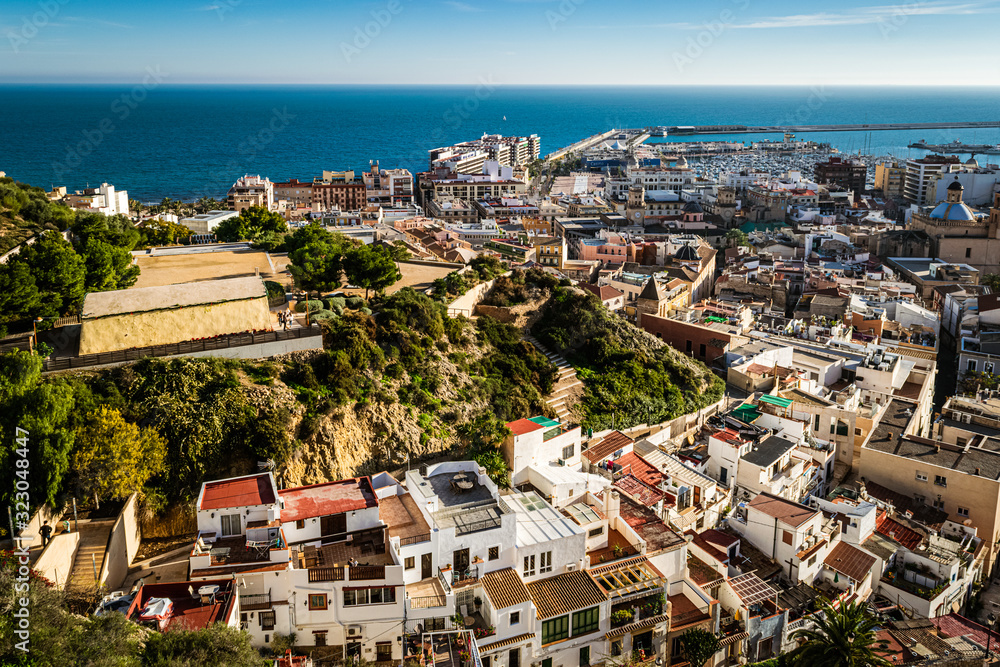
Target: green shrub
[(337, 301), (321, 316), (313, 304), (356, 302)]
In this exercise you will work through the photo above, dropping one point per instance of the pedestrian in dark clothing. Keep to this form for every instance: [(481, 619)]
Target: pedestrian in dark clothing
[(46, 531)]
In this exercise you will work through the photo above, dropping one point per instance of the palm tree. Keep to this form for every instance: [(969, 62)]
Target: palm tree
[(843, 637)]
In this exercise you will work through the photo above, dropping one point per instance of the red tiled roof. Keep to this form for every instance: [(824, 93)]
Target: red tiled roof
[(603, 292), (610, 444), (637, 490), (850, 561), (791, 513), (719, 539), (522, 426), (896, 531), (318, 500), (187, 611), (238, 492), (637, 466), (954, 625)]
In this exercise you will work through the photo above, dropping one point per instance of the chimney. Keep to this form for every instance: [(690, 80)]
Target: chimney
[(612, 506)]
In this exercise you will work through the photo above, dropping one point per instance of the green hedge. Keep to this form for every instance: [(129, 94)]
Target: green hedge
[(314, 304), (323, 316), (356, 302)]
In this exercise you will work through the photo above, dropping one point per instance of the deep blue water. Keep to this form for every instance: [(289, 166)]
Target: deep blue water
[(187, 141)]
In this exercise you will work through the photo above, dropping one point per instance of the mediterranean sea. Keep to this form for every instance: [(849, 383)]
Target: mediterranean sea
[(184, 142)]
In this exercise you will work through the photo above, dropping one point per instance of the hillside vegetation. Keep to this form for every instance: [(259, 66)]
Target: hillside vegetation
[(631, 377), (401, 382)]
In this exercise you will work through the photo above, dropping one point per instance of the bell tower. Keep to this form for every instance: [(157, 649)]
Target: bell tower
[(635, 209)]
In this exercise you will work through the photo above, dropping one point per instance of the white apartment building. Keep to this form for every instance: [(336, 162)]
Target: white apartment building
[(537, 442), (205, 223), (249, 191), (299, 554)]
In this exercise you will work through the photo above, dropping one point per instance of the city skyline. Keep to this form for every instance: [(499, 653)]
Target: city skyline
[(391, 42)]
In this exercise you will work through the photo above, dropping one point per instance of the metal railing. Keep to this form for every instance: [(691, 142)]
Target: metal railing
[(187, 347), (366, 572), (477, 526), (255, 601), (317, 574), (414, 539), (428, 601)]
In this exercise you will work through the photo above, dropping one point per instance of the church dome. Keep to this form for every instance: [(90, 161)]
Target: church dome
[(953, 211), (687, 253), (693, 207)]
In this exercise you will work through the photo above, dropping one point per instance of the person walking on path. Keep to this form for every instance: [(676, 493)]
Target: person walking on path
[(46, 531)]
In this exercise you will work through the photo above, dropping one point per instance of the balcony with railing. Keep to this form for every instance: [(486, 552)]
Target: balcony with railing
[(255, 601), (429, 594)]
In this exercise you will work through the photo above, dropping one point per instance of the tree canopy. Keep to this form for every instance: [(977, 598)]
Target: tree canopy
[(317, 258), (252, 223), (371, 267), (843, 637), (698, 645), (113, 458)]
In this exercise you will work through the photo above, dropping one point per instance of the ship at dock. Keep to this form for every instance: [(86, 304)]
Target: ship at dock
[(958, 147)]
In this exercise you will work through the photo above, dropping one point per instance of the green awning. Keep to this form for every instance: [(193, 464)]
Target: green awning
[(776, 400), (544, 422), (714, 318), (746, 413)]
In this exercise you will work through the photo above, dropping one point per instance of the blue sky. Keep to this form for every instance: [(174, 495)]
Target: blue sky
[(634, 42)]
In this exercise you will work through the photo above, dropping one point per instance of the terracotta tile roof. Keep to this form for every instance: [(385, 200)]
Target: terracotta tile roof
[(850, 561), (719, 539), (777, 507), (638, 625), (897, 532), (637, 490), (608, 445), (555, 596), (603, 292), (505, 588), (522, 426), (485, 648), (316, 500), (954, 625), (238, 492), (641, 469)]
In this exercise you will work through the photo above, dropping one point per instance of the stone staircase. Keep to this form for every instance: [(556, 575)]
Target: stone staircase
[(566, 389), (93, 542)]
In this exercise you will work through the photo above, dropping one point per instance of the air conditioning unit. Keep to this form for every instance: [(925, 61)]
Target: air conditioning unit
[(571, 567), (353, 630)]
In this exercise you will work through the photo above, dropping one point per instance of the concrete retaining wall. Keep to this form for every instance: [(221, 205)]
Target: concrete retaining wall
[(123, 545), (56, 561), (258, 351), (466, 304), (496, 312)]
